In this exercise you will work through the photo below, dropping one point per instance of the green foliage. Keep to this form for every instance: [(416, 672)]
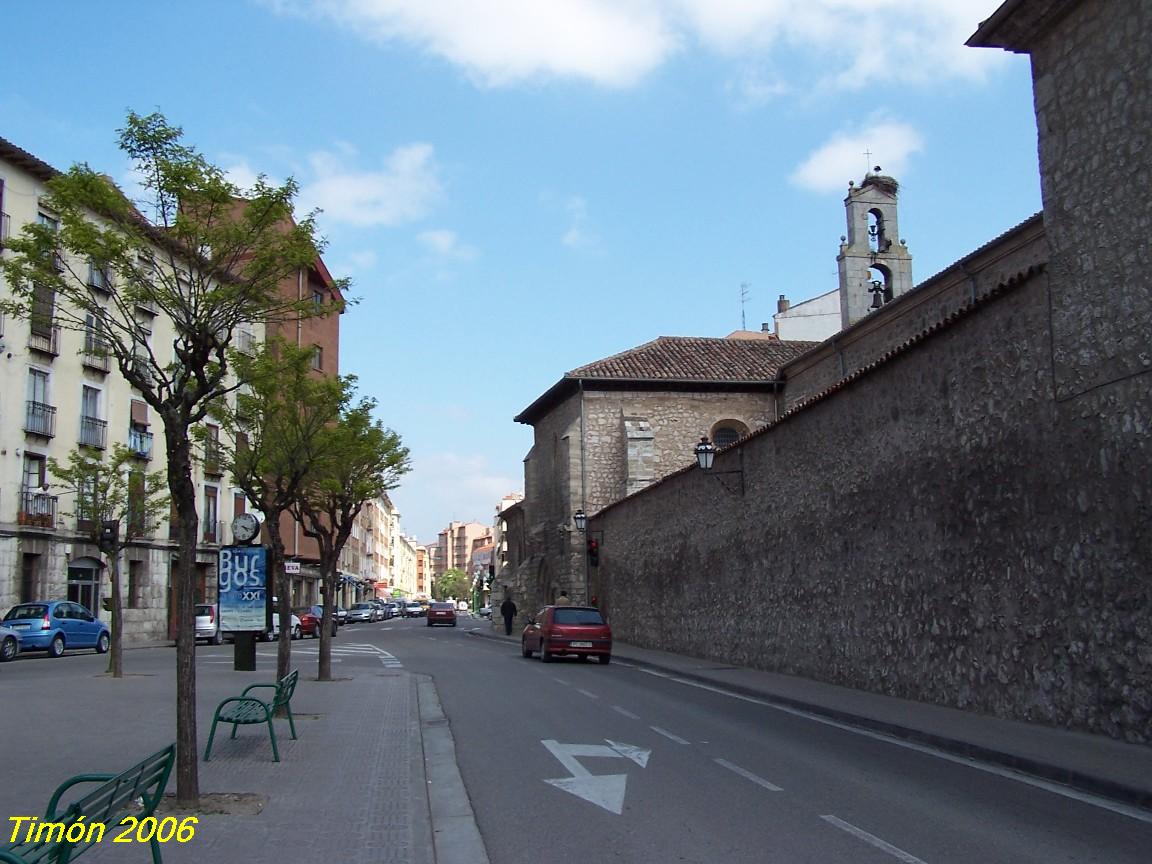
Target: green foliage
[(452, 583), (112, 489)]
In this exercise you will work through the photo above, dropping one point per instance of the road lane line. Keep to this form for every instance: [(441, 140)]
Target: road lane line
[(625, 712), (668, 735), (748, 775), (1128, 810), (586, 693), (560, 681), (872, 839)]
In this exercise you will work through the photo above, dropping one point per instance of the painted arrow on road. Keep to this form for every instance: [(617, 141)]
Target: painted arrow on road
[(603, 790)]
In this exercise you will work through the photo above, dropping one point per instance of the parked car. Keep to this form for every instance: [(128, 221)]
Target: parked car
[(397, 609), (54, 625), (208, 623), (310, 620), (412, 609), (362, 612), (558, 630), (486, 612), (9, 644), (297, 629), (383, 610), (442, 613), (340, 616)]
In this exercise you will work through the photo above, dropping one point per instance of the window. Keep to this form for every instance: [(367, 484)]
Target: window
[(43, 310), (40, 417), (98, 276), (239, 503), (135, 584), (727, 432), (318, 297), (92, 427), (53, 225), (34, 471), (211, 514), (317, 357), (212, 450)]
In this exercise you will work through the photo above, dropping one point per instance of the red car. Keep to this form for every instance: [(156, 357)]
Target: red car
[(557, 630), (442, 613), (310, 617)]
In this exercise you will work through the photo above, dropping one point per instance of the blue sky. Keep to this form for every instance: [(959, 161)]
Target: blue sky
[(520, 187)]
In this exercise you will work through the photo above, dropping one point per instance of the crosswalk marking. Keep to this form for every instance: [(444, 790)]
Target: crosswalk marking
[(389, 661)]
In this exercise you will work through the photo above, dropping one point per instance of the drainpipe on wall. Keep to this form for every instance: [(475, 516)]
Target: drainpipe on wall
[(583, 485)]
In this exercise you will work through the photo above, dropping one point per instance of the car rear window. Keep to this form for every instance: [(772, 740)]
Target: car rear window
[(16, 613), (576, 616), (361, 605), (203, 610), (443, 607)]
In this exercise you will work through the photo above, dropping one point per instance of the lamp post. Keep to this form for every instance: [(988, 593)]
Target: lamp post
[(706, 455)]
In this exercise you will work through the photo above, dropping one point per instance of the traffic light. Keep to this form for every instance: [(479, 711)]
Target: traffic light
[(594, 552)]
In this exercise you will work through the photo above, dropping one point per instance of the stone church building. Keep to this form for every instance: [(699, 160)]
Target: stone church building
[(949, 500), (953, 502)]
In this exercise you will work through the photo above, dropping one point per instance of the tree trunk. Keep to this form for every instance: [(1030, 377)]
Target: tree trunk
[(183, 493), (283, 589), (324, 671), (116, 655)]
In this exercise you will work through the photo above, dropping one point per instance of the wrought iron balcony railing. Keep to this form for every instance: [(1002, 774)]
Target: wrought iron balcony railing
[(40, 419), (140, 443), (37, 509), (93, 432)]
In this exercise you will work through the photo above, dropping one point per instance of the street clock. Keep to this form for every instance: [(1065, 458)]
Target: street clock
[(245, 527)]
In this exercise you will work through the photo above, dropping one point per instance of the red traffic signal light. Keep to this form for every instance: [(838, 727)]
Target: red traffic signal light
[(594, 552)]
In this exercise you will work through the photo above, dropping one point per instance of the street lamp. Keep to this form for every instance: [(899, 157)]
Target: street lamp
[(581, 520), (706, 454)]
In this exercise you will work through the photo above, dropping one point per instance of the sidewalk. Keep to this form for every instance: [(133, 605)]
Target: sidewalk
[(1089, 763), (371, 778)]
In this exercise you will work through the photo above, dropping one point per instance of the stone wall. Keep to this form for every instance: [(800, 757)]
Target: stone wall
[(1093, 99), (940, 528)]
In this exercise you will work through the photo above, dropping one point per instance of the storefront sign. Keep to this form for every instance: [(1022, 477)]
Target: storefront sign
[(243, 583)]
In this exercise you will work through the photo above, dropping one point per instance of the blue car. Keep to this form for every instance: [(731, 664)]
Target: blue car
[(54, 625)]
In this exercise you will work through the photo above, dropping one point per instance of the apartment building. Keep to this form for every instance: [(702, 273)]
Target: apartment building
[(64, 392)]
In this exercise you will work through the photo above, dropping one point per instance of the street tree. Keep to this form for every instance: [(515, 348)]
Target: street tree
[(358, 460), (453, 582), (204, 256), (272, 432), (116, 505)]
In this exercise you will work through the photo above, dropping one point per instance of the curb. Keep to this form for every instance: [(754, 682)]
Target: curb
[(1047, 771), (455, 836)]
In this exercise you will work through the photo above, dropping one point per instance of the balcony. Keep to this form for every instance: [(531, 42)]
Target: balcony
[(5, 227), (93, 432), (40, 419), (37, 509), (147, 306), (45, 339), (245, 342), (140, 443), (95, 354), (212, 459)]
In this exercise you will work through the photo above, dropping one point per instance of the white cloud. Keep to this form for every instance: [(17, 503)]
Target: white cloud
[(403, 189), (841, 158), (446, 244), (578, 236), (842, 43), (446, 486), (238, 171)]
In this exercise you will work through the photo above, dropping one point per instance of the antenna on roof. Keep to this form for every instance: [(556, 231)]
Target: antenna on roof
[(744, 286)]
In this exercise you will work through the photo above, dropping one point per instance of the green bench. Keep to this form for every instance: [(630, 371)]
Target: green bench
[(135, 792), (245, 710)]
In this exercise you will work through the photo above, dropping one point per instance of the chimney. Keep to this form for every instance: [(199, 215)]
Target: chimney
[(782, 304)]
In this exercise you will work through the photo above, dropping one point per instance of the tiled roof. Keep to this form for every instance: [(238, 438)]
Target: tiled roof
[(691, 358), (677, 362)]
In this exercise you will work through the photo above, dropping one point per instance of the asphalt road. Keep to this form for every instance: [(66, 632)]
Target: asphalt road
[(644, 768)]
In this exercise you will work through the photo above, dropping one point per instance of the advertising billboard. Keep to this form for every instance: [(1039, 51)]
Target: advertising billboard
[(243, 583)]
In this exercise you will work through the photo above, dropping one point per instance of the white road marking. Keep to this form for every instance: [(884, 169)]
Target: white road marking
[(1007, 773), (603, 790), (872, 839), (625, 712), (586, 693), (668, 735), (560, 681), (748, 775)]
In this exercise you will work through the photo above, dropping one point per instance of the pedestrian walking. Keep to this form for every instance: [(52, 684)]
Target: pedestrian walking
[(508, 610), (563, 599)]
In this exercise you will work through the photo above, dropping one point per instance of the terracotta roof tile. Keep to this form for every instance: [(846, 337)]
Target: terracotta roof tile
[(691, 358)]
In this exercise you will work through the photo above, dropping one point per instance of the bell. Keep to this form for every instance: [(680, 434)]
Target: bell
[(876, 301)]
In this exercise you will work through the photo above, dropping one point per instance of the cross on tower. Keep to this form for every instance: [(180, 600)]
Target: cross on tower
[(867, 158)]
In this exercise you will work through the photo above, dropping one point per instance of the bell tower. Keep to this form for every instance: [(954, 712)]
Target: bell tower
[(874, 263)]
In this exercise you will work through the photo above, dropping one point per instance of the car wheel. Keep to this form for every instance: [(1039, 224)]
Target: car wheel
[(429, 623), (102, 644), (545, 654), (524, 649), (9, 648), (57, 646), (605, 659), (296, 634)]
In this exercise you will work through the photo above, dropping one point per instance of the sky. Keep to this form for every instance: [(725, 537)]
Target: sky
[(519, 187)]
